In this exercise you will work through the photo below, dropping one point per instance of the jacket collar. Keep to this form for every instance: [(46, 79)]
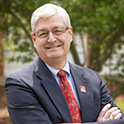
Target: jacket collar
[(53, 89), (85, 98)]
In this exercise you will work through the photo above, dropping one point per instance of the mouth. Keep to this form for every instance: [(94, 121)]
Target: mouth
[(52, 47)]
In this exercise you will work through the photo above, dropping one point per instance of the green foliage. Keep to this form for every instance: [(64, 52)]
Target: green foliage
[(15, 23), (111, 79), (120, 104), (102, 20)]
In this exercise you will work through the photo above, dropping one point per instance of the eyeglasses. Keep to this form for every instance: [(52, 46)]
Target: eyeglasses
[(43, 33)]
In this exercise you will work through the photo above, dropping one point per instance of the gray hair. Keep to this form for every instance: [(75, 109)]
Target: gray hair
[(48, 10)]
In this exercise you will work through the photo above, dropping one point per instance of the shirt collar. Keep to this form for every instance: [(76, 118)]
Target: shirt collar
[(55, 71)]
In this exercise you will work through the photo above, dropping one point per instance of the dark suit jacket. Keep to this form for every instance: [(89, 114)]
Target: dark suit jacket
[(34, 96)]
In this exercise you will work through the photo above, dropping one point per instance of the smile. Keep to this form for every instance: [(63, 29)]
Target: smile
[(52, 47)]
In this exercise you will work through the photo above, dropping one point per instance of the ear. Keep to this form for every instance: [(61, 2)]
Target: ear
[(33, 37), (70, 32)]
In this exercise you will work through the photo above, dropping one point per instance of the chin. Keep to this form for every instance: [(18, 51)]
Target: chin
[(55, 56)]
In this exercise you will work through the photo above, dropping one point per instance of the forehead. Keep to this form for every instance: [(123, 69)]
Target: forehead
[(49, 23)]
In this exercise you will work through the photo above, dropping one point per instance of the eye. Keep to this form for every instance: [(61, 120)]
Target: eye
[(58, 31), (42, 34)]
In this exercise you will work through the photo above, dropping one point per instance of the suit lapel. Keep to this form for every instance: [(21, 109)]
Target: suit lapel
[(85, 98), (53, 90)]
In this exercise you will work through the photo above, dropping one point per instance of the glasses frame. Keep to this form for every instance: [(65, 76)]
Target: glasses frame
[(65, 29)]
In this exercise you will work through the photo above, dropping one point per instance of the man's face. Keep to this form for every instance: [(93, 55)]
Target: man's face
[(52, 46)]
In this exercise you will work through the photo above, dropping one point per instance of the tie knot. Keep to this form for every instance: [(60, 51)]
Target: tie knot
[(61, 73)]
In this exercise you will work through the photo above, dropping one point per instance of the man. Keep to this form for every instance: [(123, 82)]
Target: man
[(38, 93)]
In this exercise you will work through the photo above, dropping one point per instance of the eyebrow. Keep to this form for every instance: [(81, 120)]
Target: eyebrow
[(41, 30), (47, 29)]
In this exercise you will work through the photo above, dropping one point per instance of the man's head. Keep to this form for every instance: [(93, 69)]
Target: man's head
[(52, 33), (48, 10)]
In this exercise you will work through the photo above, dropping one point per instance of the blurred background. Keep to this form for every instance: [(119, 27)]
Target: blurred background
[(98, 41)]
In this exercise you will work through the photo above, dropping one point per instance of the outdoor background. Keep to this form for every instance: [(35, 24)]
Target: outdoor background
[(98, 41)]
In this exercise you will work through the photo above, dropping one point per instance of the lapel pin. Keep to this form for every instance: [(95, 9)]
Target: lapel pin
[(83, 89)]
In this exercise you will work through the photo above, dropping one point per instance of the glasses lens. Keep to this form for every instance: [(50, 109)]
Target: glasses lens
[(56, 31), (42, 34)]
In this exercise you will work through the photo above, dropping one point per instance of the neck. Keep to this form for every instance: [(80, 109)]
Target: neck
[(56, 63)]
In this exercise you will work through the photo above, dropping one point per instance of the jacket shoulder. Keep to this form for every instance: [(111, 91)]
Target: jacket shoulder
[(86, 72)]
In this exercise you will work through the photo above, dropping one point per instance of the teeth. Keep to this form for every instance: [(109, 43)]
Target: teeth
[(53, 47)]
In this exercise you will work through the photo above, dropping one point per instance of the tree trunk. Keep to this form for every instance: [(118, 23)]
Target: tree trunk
[(1, 56)]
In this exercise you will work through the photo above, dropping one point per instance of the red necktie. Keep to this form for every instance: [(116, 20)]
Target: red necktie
[(69, 96)]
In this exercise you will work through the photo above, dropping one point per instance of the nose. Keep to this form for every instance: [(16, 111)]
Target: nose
[(51, 37)]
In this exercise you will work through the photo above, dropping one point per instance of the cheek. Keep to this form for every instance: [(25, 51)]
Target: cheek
[(34, 44), (38, 45), (68, 40), (70, 37)]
